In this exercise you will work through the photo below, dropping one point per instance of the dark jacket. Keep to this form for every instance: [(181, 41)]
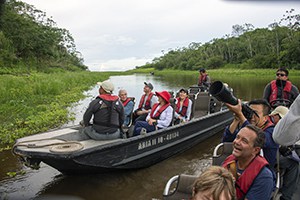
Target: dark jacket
[(108, 112)]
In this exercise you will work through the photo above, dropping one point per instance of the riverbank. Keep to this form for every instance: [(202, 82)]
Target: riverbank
[(37, 102)]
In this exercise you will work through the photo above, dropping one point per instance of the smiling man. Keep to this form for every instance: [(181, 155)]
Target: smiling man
[(260, 119), (254, 180)]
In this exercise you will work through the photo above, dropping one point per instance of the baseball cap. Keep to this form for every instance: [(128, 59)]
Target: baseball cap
[(280, 110), (107, 86), (149, 85)]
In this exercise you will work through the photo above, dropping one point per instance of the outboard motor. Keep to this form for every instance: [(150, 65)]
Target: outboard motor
[(222, 93)]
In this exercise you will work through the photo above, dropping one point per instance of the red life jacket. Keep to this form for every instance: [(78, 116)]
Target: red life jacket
[(148, 101), (244, 182), (274, 90), (184, 106), (158, 113), (202, 79), (126, 102), (267, 125)]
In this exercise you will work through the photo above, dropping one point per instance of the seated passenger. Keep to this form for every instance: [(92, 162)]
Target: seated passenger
[(214, 183), (107, 112), (160, 116), (254, 179), (260, 118), (183, 107), (147, 101), (128, 106)]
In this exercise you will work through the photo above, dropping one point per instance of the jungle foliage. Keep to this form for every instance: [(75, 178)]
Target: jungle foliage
[(30, 41), (245, 48)]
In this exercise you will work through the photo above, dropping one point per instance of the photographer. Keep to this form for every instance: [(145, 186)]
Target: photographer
[(260, 118)]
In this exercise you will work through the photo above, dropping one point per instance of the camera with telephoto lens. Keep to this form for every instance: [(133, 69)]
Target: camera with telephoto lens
[(222, 93)]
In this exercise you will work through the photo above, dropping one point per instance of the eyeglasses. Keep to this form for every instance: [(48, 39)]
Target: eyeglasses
[(279, 74)]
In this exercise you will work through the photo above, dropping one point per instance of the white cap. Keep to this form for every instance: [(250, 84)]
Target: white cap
[(107, 86), (280, 110)]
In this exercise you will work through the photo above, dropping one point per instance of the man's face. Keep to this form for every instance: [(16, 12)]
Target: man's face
[(243, 144), (147, 89), (281, 75), (259, 120)]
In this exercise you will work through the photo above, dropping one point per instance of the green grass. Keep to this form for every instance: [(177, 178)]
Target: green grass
[(34, 103), (219, 72)]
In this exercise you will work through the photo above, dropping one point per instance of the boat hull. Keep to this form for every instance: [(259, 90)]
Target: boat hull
[(123, 154)]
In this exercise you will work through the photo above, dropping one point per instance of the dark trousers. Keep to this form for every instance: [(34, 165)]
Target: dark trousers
[(290, 177), (143, 124), (139, 117)]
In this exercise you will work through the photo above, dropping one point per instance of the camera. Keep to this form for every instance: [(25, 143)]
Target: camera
[(222, 93)]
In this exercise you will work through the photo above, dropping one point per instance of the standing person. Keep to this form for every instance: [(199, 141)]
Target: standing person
[(281, 91), (261, 108), (148, 99), (160, 116), (287, 162), (287, 132), (108, 114), (183, 107), (128, 106), (204, 79), (254, 180), (214, 183)]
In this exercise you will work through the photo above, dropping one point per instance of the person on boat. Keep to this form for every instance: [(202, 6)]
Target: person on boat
[(254, 180), (286, 131), (128, 104), (204, 79), (261, 119), (280, 91), (160, 117), (288, 160), (278, 113), (183, 107), (107, 112), (148, 99), (214, 183)]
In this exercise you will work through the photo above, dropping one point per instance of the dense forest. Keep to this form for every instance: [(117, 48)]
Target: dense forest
[(30, 40), (246, 47)]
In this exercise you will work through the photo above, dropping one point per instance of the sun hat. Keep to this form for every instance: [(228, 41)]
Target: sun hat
[(107, 86), (149, 85), (280, 110), (165, 95)]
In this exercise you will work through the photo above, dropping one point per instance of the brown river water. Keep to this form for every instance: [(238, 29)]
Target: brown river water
[(147, 183)]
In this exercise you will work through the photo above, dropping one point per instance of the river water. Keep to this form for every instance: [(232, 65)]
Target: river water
[(145, 183)]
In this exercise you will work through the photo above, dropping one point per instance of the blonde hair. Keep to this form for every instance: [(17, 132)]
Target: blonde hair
[(215, 179)]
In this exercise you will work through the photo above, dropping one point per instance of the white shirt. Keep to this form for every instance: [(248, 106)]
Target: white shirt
[(165, 117)]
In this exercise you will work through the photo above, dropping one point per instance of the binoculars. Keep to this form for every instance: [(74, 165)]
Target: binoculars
[(222, 93)]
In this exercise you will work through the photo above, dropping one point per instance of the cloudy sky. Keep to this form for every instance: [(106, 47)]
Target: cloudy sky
[(121, 34)]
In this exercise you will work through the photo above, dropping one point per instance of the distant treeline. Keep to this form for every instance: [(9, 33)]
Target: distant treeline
[(245, 48), (30, 40)]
